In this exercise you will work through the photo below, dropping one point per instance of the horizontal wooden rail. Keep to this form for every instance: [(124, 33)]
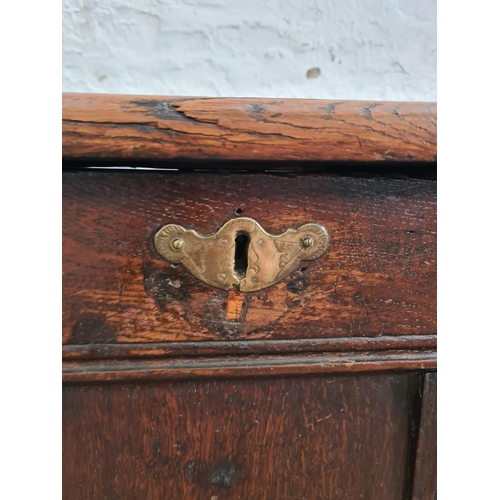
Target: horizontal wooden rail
[(221, 348), (246, 366)]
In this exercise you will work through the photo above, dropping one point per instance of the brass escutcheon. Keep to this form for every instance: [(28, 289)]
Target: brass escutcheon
[(241, 255)]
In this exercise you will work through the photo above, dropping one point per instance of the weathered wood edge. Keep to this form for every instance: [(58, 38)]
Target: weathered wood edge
[(220, 348), (246, 366), (114, 127), (425, 473)]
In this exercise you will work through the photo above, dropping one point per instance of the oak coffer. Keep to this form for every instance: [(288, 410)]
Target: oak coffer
[(249, 299)]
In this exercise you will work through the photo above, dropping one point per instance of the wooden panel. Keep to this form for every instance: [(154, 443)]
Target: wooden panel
[(296, 438), (377, 278), (161, 128), (425, 478)]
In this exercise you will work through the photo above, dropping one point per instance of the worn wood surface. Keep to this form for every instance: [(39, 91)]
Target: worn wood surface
[(246, 366), (425, 476), (174, 389), (377, 278), (164, 128), (235, 301), (342, 437), (225, 347)]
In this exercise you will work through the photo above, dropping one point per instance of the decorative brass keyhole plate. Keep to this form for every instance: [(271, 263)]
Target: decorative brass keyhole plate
[(241, 254)]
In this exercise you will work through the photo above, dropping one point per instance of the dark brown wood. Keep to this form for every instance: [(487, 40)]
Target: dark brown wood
[(221, 347), (246, 366), (165, 128), (425, 476), (378, 276), (342, 437), (310, 389)]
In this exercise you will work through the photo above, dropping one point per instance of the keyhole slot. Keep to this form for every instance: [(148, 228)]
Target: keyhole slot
[(242, 242)]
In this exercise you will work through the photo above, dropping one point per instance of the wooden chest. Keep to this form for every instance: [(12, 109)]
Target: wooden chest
[(320, 385)]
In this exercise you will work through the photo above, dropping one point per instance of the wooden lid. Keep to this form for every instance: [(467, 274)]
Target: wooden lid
[(127, 127)]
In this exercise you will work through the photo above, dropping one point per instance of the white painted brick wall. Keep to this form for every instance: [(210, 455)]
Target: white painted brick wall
[(338, 49)]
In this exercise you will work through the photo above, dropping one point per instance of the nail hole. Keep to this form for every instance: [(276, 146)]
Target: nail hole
[(238, 211), (242, 242)]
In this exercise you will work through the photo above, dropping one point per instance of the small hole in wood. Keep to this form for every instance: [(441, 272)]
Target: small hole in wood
[(238, 211)]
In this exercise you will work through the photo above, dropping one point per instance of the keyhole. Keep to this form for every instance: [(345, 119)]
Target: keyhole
[(242, 242)]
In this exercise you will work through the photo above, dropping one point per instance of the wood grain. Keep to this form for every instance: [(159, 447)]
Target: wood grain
[(309, 389), (246, 366), (157, 128), (222, 347), (378, 276), (235, 301), (292, 439), (425, 476)]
